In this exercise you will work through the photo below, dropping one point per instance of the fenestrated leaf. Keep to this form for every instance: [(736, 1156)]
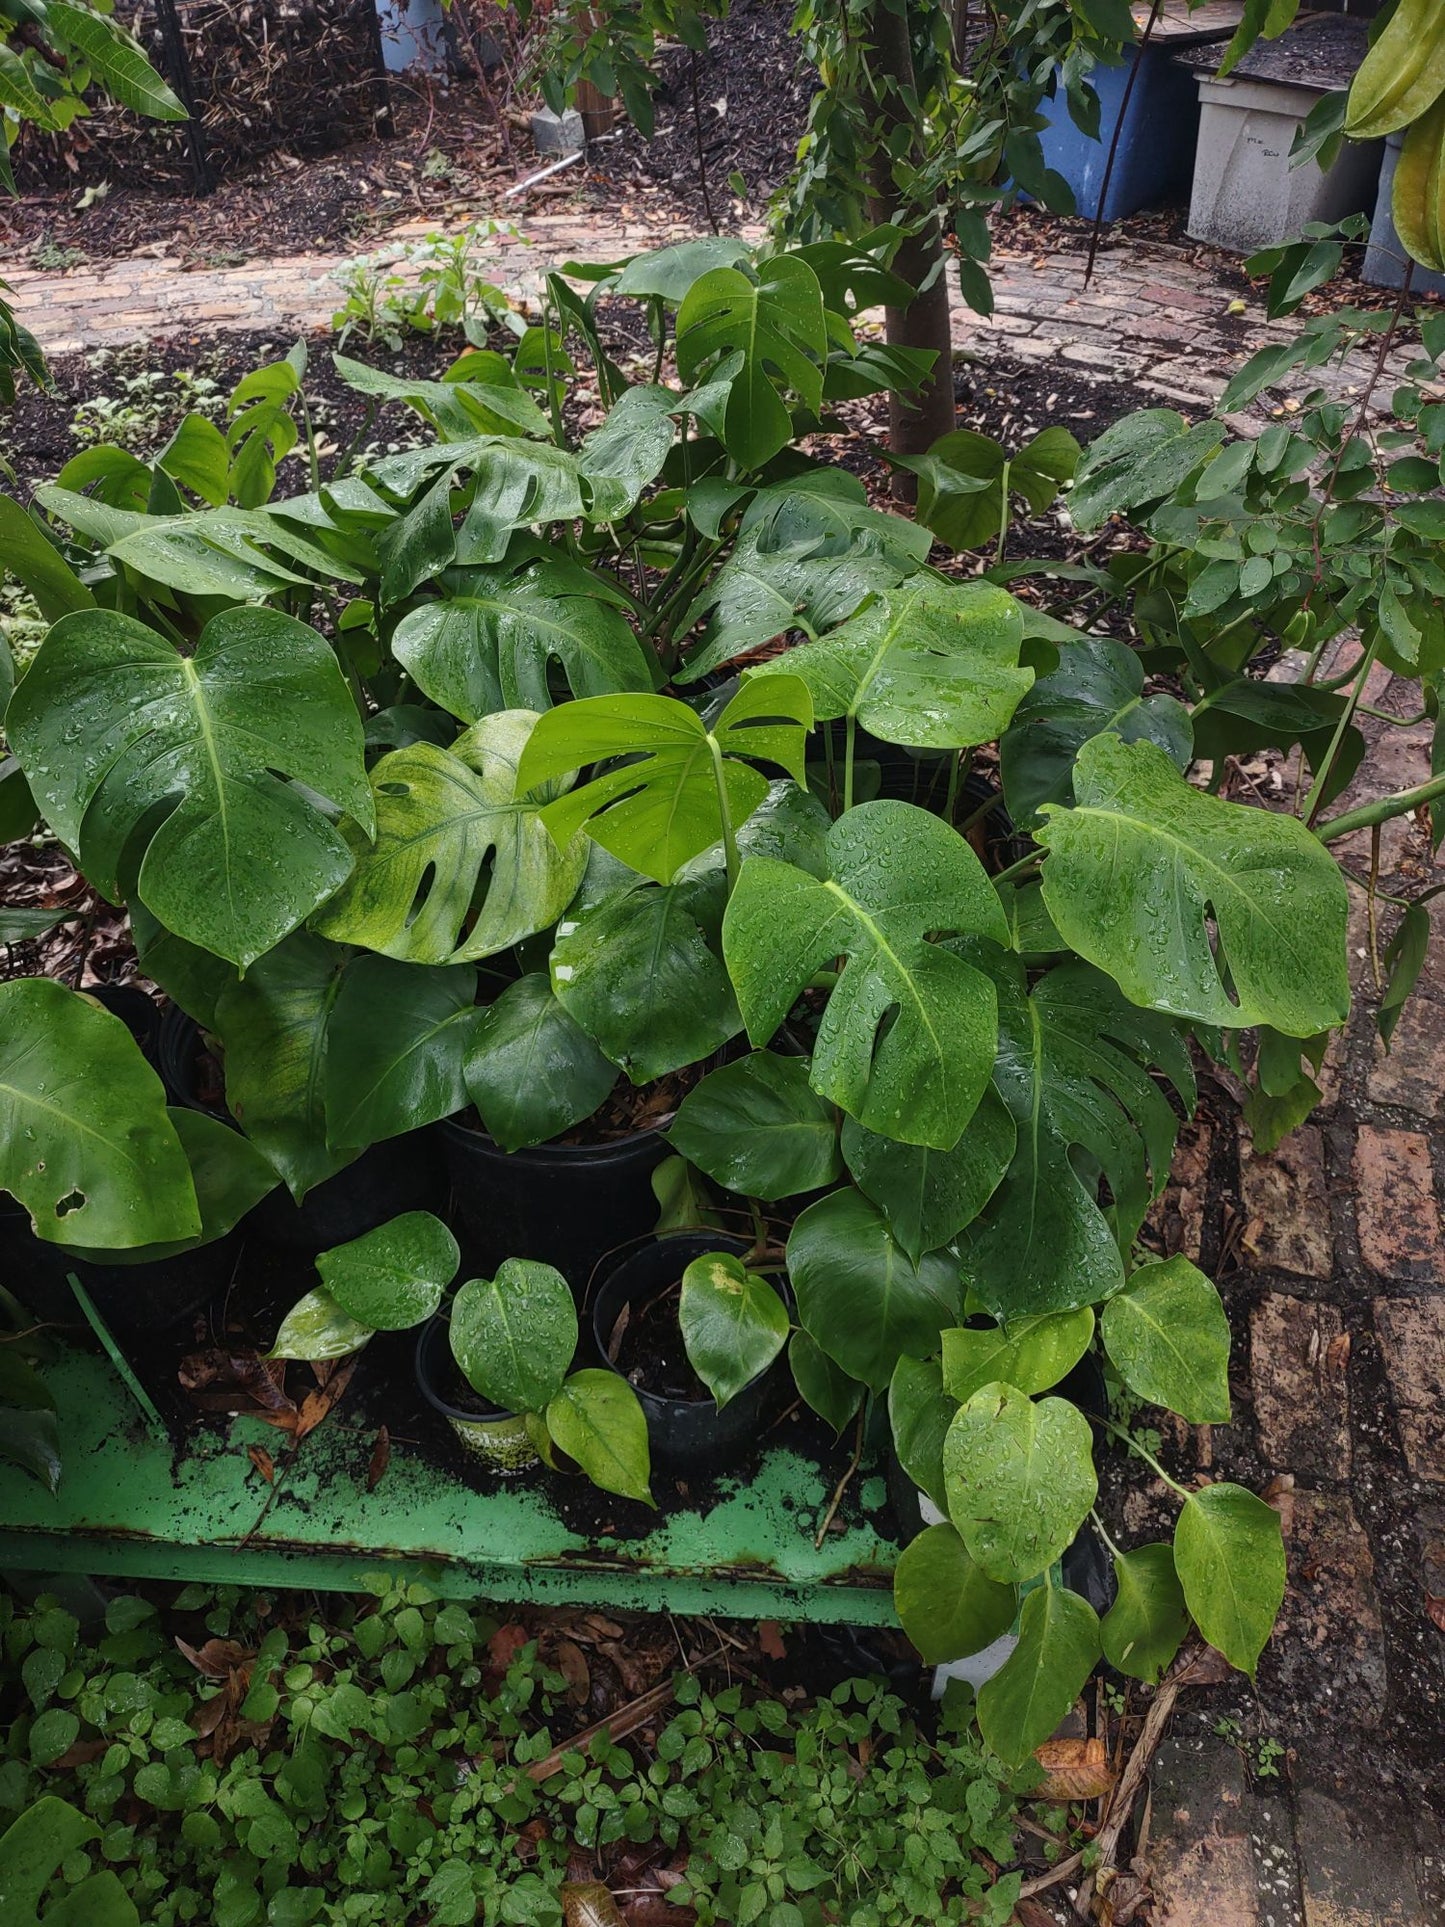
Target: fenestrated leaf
[(930, 664), (474, 419), (775, 321), (665, 804), (396, 1044), (596, 1420), (393, 1276), (514, 1335), (463, 864), (825, 511), (531, 1069), (1098, 687), (757, 1127), (733, 1323), (1168, 1334), (1045, 1673), (920, 1412), (945, 1604), (1246, 715), (822, 1385), (86, 1145), (1073, 1068), (907, 1040), (1141, 458), (1143, 860), (1145, 1626), (113, 725), (1030, 1353), (1020, 1479), (1229, 1554), (317, 1327), (641, 974), (929, 1196), (860, 1295), (491, 648)]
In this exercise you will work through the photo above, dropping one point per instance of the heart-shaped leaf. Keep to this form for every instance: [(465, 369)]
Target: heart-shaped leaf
[(1042, 1677), (1143, 862), (531, 1069), (733, 1323), (929, 1196), (1145, 1626), (86, 1145), (907, 1041), (823, 1386), (1032, 1354), (462, 865), (920, 1412), (1168, 1333), (116, 728), (684, 786), (1020, 1479), (860, 1295), (945, 1604), (1229, 1554), (317, 1328), (1073, 1067), (773, 318), (1097, 689), (757, 1127), (392, 1277), (514, 1335), (596, 1420), (930, 664)]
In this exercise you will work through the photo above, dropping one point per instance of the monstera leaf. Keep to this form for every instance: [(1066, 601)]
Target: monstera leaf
[(1073, 1067), (929, 1196), (462, 865), (1143, 861), (906, 1043), (685, 786), (85, 1143), (757, 1127), (640, 972), (1097, 689), (826, 511), (491, 647), (117, 729), (930, 664), (619, 458), (397, 1042), (531, 1070), (774, 321)]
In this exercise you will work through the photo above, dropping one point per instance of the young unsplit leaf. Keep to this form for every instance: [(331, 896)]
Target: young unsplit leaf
[(1145, 1626), (920, 1412), (1030, 1353), (1168, 1334), (823, 1386), (1142, 862), (859, 1295), (392, 1277), (775, 323), (733, 1323), (1229, 1555), (1073, 1067), (531, 1069), (929, 1196), (907, 1041), (1035, 1687), (688, 786), (317, 1327), (514, 1335), (757, 1127), (930, 664), (462, 865), (945, 1604), (1097, 688), (86, 1145), (396, 1044), (596, 1419), (113, 726), (1020, 1479)]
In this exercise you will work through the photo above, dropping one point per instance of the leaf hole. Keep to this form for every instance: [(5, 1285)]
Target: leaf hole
[(72, 1201)]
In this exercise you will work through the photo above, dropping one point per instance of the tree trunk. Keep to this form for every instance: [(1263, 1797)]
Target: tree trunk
[(915, 421)]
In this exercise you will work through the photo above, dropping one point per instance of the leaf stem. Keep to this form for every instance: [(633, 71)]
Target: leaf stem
[(1381, 811), (849, 743), (1327, 761), (1148, 1457), (729, 835)]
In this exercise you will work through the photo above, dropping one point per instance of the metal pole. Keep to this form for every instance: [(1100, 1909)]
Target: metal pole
[(385, 119), (180, 78)]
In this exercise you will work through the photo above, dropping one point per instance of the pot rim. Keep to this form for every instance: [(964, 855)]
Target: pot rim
[(428, 1337)]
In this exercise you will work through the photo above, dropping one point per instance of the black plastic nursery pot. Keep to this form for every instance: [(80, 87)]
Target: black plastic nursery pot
[(401, 1174), (688, 1435), (495, 1439), (568, 1205)]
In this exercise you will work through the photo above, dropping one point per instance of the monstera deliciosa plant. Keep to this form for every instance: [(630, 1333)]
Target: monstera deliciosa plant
[(497, 770)]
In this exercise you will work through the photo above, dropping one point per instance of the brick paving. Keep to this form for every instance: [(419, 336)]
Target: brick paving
[(1328, 1251)]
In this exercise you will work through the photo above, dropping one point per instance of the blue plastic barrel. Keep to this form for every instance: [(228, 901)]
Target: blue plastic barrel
[(1155, 161)]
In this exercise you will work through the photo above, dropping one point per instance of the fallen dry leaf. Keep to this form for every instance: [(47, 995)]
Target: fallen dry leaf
[(770, 1639), (589, 1904), (217, 1659), (1435, 1607), (263, 1462), (505, 1644), (380, 1459), (1073, 1770)]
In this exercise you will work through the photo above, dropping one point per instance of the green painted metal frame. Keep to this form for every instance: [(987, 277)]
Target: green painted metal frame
[(131, 1506)]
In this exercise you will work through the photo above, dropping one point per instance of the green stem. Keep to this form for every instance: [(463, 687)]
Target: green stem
[(1381, 811), (1103, 1532), (1128, 1439), (849, 742), (729, 835), (1002, 515), (1021, 868), (1327, 761)]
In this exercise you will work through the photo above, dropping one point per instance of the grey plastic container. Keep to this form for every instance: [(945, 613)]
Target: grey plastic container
[(1385, 257)]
